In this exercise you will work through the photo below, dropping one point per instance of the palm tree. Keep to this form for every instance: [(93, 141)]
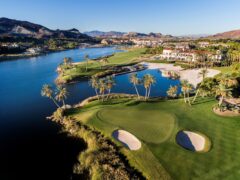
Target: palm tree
[(110, 82), (61, 94), (67, 61), (152, 81), (189, 88), (172, 91), (148, 81), (203, 72), (222, 91), (135, 81), (186, 89), (102, 88), (95, 84), (86, 58), (48, 92)]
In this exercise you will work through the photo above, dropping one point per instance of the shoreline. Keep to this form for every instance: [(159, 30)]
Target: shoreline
[(191, 75), (28, 56)]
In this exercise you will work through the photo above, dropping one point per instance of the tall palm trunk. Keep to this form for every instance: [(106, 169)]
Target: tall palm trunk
[(96, 93), (103, 96), (184, 96), (194, 99), (146, 92), (189, 102), (149, 90), (63, 103), (109, 91), (136, 90), (220, 101), (55, 102)]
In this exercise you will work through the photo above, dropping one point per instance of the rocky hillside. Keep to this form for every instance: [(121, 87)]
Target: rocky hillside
[(104, 34), (227, 35), (112, 34), (16, 28)]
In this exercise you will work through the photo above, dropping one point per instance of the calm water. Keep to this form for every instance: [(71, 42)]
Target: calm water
[(30, 145)]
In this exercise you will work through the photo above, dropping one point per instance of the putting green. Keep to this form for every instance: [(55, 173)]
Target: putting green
[(148, 125)]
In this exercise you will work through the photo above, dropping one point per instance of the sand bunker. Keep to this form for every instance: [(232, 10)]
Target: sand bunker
[(192, 141), (193, 77), (127, 139)]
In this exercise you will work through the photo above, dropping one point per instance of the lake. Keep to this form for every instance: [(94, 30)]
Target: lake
[(30, 145)]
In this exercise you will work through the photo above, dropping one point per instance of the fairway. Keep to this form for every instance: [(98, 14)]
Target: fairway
[(158, 126)]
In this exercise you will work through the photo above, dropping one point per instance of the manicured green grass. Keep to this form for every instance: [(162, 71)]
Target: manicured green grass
[(224, 69), (126, 57), (155, 130), (156, 125), (93, 67)]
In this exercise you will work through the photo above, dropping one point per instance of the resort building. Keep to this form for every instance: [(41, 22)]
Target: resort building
[(35, 50), (203, 44), (189, 55)]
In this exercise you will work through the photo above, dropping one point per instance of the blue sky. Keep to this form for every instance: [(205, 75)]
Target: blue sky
[(176, 17)]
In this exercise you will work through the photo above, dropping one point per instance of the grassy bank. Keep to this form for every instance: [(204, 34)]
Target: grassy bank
[(93, 67), (156, 125)]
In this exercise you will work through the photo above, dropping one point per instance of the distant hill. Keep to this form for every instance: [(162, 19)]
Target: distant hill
[(110, 34), (16, 28), (235, 34), (104, 34)]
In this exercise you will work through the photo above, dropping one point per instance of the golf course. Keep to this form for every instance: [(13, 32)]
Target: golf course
[(156, 123)]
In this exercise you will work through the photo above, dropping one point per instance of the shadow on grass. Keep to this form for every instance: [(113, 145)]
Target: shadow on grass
[(203, 100)]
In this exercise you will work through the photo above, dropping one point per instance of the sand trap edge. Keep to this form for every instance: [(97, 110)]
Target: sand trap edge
[(127, 139), (207, 144)]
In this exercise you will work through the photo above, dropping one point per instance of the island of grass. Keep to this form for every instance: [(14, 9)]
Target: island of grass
[(156, 124), (119, 63)]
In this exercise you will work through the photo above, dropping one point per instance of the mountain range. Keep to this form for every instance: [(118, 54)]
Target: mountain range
[(235, 34), (16, 28), (102, 34)]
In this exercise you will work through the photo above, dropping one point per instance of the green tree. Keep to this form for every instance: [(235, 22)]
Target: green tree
[(52, 44)]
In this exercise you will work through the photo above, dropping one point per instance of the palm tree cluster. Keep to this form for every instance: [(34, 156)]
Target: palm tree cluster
[(147, 81), (225, 87), (102, 86), (187, 88), (221, 87), (57, 96)]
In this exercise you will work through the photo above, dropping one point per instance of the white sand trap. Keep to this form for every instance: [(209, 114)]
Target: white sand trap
[(191, 140), (193, 77), (127, 139)]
